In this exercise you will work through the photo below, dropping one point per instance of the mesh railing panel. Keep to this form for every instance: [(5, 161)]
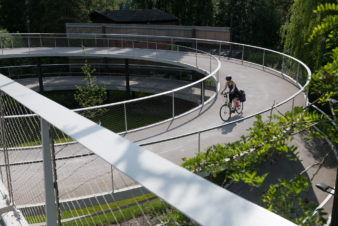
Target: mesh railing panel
[(88, 189)]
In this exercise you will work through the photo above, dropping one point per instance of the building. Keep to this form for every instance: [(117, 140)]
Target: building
[(138, 16)]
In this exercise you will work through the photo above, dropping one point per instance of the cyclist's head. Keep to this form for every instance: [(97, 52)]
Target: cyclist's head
[(228, 78)]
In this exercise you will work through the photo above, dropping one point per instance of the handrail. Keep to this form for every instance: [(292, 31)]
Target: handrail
[(210, 74), (136, 161), (106, 36)]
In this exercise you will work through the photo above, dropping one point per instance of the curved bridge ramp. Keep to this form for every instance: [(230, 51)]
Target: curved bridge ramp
[(91, 174)]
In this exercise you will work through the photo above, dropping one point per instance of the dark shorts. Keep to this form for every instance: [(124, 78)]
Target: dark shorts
[(234, 95)]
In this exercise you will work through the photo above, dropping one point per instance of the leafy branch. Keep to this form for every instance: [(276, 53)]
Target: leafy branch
[(90, 94)]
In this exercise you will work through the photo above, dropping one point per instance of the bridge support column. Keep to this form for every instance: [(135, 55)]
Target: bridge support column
[(127, 79), (51, 210)]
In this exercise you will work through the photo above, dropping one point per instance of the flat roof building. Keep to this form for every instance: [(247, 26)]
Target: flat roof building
[(138, 16)]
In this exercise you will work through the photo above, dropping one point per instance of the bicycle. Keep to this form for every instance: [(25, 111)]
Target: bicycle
[(225, 110)]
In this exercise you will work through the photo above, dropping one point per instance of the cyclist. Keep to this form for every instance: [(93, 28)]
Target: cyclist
[(233, 91)]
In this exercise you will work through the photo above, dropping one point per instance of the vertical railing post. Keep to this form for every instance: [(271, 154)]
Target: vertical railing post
[(155, 48), (297, 75), (282, 67), (2, 129), (263, 63), (242, 54), (202, 92), (112, 179), (2, 45), (173, 104), (196, 53), (230, 49), (306, 97), (28, 43), (5, 150), (121, 41), (51, 210), (125, 117), (40, 41), (219, 50), (95, 40), (210, 65), (196, 58), (199, 142)]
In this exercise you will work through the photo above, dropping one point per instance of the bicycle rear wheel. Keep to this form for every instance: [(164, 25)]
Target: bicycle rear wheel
[(239, 108), (225, 112)]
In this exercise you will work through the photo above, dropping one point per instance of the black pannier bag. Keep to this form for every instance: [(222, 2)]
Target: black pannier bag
[(242, 97)]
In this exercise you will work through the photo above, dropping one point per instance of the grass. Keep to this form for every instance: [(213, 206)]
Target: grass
[(102, 214)]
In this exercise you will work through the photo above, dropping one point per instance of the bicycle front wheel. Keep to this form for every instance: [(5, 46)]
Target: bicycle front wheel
[(225, 112), (239, 108)]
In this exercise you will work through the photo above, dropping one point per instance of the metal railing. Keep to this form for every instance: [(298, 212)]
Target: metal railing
[(283, 66), (210, 69), (187, 192)]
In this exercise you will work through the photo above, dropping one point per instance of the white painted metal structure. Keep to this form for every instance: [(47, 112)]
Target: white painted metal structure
[(197, 198), (185, 191)]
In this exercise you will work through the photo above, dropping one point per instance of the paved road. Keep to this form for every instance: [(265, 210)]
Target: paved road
[(86, 175)]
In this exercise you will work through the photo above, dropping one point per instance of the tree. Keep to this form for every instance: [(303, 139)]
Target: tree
[(35, 12), (91, 94), (285, 199), (57, 13), (252, 22), (324, 83), (297, 30), (12, 15)]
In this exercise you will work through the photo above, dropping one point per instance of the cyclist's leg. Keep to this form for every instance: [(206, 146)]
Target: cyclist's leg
[(236, 98), (231, 101)]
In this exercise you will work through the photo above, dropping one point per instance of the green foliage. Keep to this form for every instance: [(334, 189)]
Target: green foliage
[(91, 94), (285, 199), (328, 24), (10, 41), (240, 159), (324, 82), (296, 31), (172, 217), (58, 13), (251, 22)]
